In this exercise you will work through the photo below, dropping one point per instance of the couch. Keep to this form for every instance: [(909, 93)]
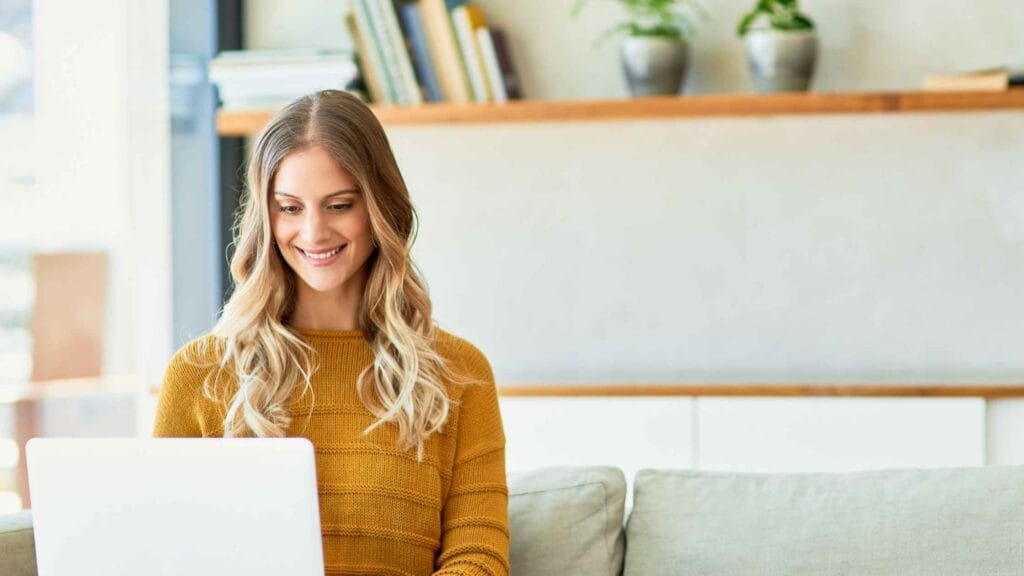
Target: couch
[(570, 521)]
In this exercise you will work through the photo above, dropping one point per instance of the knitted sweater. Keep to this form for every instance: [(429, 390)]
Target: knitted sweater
[(381, 511)]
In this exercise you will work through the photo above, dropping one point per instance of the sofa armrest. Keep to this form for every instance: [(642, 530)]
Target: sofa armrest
[(17, 547)]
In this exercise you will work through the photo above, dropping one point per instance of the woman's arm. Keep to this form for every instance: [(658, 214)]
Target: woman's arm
[(474, 520)]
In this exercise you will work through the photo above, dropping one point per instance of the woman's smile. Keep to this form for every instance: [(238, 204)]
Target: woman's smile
[(321, 258)]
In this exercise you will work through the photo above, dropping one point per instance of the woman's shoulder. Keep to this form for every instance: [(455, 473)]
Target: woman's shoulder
[(465, 359), (206, 350), (474, 395), (193, 363)]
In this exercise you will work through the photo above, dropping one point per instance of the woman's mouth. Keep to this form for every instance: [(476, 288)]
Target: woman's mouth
[(321, 258)]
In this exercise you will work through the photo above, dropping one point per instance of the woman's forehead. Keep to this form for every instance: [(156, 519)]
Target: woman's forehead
[(312, 173)]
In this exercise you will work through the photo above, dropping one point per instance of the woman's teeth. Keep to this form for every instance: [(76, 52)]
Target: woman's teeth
[(323, 256)]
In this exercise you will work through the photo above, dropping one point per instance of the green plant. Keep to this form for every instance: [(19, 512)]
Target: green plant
[(653, 18), (781, 15)]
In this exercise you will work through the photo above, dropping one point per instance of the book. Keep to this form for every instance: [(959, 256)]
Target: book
[(468, 18), (370, 70), (412, 25), (444, 51), (990, 80), (511, 79), (491, 65), (386, 46), (248, 79), (374, 52), (398, 50)]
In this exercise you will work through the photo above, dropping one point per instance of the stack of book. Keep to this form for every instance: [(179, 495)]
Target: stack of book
[(271, 78), (416, 51)]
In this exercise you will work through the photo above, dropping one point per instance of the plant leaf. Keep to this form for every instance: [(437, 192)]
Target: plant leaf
[(803, 22), (746, 21)]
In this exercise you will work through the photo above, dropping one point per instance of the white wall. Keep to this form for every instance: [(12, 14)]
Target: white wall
[(271, 24), (863, 248)]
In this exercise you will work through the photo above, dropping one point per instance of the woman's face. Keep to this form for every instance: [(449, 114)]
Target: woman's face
[(319, 221)]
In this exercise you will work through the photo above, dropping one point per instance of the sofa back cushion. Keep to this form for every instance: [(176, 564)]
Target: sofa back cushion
[(567, 521), (17, 548), (950, 522)]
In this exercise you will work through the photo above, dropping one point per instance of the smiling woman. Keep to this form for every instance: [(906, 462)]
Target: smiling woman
[(329, 335)]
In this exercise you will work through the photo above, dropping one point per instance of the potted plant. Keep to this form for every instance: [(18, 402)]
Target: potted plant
[(654, 50), (782, 46)]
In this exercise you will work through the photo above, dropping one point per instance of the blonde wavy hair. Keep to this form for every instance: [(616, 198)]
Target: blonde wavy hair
[(404, 385)]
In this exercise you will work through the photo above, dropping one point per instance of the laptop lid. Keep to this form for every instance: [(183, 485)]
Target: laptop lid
[(175, 506)]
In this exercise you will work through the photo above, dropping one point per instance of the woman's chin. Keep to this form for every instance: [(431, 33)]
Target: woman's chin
[(318, 283)]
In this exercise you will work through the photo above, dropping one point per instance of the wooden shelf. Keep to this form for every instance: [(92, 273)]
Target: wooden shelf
[(249, 123), (951, 390)]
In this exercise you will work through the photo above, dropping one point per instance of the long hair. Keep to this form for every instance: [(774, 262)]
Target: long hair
[(404, 385)]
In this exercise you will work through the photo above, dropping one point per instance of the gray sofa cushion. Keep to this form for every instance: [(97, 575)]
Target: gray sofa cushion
[(888, 523), (17, 549), (567, 521)]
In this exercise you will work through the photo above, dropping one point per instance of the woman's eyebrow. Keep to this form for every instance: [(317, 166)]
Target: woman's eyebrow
[(331, 195), (342, 192)]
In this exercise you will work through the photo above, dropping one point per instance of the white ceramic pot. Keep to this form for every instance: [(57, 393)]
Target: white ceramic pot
[(654, 65), (782, 61)]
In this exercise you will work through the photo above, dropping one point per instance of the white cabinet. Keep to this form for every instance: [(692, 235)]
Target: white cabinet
[(628, 433), (745, 434), (838, 434), (1005, 432)]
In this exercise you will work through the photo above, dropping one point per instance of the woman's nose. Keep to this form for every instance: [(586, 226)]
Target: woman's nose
[(315, 229)]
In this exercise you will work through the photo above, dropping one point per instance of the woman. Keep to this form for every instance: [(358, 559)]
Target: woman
[(329, 335)]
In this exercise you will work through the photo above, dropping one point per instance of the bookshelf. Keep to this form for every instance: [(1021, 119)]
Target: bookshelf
[(248, 123)]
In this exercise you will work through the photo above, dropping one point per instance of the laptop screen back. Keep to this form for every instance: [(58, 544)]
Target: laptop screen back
[(175, 506)]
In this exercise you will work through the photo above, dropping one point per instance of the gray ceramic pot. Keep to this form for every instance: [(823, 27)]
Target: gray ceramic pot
[(654, 65), (781, 61)]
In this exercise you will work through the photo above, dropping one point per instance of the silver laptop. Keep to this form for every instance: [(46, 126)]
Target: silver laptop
[(175, 506)]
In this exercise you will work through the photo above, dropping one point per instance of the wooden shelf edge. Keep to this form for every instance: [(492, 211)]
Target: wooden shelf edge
[(250, 122), (991, 391)]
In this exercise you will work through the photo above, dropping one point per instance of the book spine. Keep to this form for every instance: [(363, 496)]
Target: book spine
[(412, 23), (369, 71), (401, 51), (387, 49), (374, 49), (444, 51), (513, 88), (490, 58), (467, 18)]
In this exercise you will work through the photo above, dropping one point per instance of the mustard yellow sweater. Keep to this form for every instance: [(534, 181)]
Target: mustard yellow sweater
[(381, 512)]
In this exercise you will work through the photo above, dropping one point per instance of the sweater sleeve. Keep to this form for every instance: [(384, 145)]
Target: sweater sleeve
[(475, 538), (179, 408)]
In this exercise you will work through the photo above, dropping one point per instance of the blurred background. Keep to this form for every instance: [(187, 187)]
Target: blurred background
[(737, 249)]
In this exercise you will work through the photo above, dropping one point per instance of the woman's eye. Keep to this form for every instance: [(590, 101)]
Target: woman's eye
[(288, 209), (340, 207)]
